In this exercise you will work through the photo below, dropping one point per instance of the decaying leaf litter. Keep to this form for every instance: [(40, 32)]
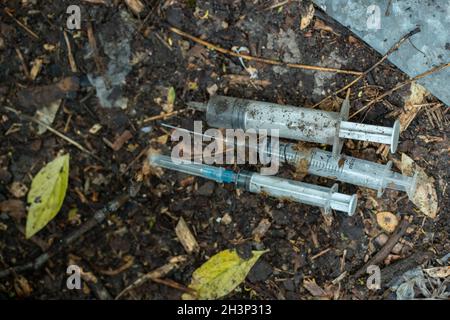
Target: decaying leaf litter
[(143, 73)]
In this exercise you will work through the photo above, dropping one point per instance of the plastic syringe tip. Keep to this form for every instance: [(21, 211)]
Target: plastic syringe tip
[(199, 106)]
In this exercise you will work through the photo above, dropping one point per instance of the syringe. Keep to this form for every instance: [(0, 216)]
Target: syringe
[(346, 169), (322, 163), (294, 122), (326, 198)]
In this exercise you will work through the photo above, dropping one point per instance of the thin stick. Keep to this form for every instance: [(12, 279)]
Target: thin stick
[(56, 132), (387, 248), (154, 274), (73, 65), (401, 85), (24, 65), (164, 115), (30, 32), (263, 60), (365, 73), (98, 218)]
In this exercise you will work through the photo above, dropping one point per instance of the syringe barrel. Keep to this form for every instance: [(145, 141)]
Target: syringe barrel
[(326, 198), (346, 169), (295, 123), (292, 122)]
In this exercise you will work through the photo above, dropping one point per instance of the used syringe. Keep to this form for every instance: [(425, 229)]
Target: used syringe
[(294, 122), (326, 198), (346, 169), (322, 163)]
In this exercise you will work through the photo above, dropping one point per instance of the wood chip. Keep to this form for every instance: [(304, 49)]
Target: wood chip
[(186, 237), (121, 140), (259, 232), (135, 5)]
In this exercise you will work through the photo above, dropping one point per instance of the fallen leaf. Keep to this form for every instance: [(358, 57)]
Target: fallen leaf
[(186, 237), (425, 197), (47, 115), (314, 289), (307, 18), (387, 221), (438, 272), (220, 275), (47, 193)]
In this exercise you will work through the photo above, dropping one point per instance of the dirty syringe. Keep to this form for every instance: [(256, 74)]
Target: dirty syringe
[(346, 169), (326, 198), (321, 163), (294, 122)]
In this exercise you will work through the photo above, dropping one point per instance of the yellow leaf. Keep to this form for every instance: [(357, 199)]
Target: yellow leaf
[(425, 197), (220, 275), (47, 193)]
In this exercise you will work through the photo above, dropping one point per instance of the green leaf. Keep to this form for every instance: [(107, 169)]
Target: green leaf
[(220, 275), (47, 193), (171, 96)]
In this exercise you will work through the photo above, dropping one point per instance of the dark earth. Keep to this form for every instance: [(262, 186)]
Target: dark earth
[(140, 237)]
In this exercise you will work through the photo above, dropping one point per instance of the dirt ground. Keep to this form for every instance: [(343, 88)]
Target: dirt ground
[(145, 59)]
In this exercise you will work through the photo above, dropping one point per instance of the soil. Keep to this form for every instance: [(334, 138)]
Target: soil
[(304, 244)]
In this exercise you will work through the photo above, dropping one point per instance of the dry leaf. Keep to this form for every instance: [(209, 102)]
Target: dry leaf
[(314, 288), (387, 221), (307, 18), (438, 272), (425, 197), (186, 237), (220, 275), (47, 115)]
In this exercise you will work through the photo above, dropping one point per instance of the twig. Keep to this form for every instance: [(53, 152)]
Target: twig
[(277, 5), (365, 73), (401, 85), (157, 273), (98, 218), (73, 65), (30, 32), (24, 65), (56, 132), (387, 248), (175, 285), (258, 59), (93, 45), (164, 115)]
